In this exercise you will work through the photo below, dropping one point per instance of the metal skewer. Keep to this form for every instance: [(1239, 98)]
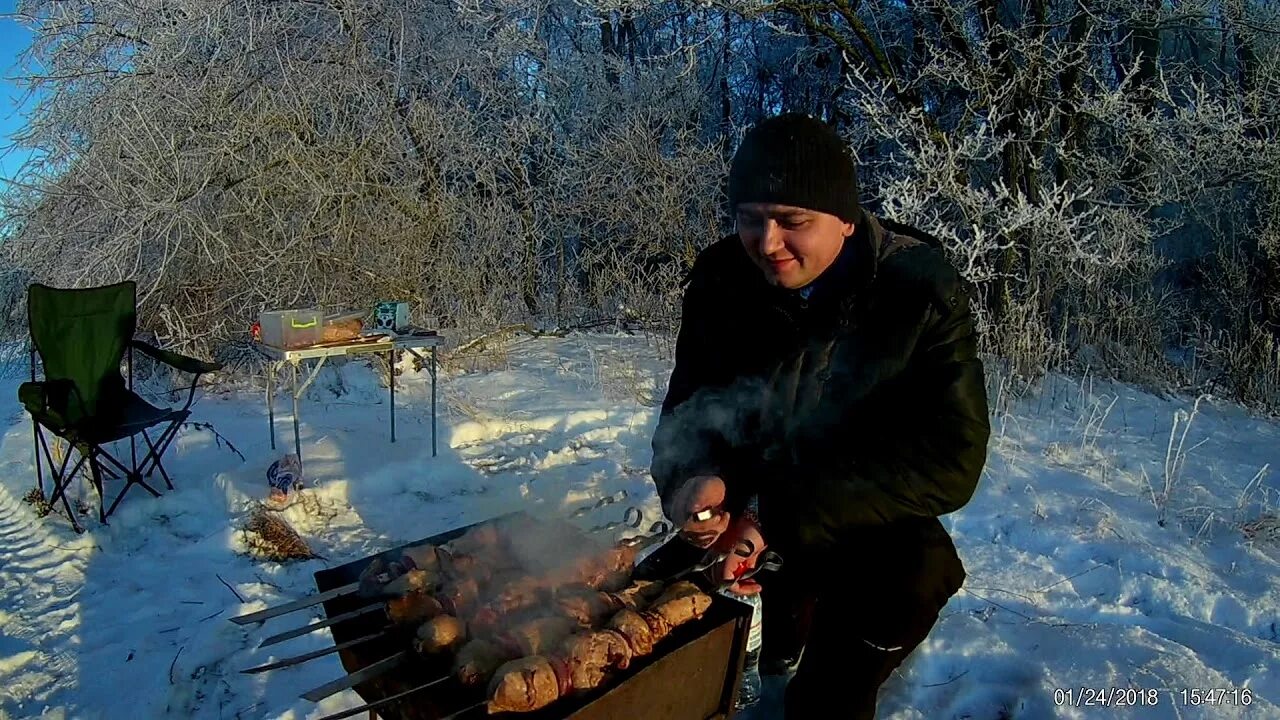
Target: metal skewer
[(303, 603), (349, 681), (639, 542), (631, 518), (298, 659), (299, 631), (306, 602), (384, 701), (606, 500)]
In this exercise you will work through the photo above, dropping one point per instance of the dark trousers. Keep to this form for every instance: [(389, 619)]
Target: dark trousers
[(858, 613)]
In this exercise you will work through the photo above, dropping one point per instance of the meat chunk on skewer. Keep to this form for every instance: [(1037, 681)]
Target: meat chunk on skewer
[(413, 608), (421, 557), (590, 607), (413, 580), (442, 633), (477, 661), (484, 539), (541, 635), (590, 656), (681, 602), (523, 685), (585, 659), (635, 629)]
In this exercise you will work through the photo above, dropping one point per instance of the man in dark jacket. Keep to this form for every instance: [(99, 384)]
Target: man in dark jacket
[(827, 399)]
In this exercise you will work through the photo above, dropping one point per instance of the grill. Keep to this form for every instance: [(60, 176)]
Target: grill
[(693, 674)]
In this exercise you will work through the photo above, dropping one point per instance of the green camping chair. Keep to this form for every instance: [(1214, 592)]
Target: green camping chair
[(81, 337)]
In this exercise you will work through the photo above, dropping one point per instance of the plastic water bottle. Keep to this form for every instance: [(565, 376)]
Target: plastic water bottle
[(750, 693)]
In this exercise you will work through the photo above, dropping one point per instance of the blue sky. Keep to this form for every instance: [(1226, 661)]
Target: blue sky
[(13, 39)]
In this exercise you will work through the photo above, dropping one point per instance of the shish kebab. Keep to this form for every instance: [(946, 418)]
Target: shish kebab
[(587, 575), (631, 518), (458, 567), (483, 649), (572, 662), (415, 593)]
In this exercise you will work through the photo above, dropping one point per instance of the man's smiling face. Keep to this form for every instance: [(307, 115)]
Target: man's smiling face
[(791, 245)]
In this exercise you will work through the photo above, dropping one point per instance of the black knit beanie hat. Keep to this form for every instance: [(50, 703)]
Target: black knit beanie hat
[(794, 159)]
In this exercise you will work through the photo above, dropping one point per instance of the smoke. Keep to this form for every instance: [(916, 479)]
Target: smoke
[(754, 419), (550, 544)]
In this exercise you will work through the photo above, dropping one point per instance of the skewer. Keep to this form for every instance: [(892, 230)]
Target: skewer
[(296, 659), (306, 602), (638, 543), (385, 701), (631, 518), (299, 631), (658, 532), (349, 681), (311, 600), (606, 500)]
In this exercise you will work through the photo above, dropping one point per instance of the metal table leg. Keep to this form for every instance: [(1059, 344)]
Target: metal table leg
[(433, 401), (391, 372), (272, 369), (297, 441)]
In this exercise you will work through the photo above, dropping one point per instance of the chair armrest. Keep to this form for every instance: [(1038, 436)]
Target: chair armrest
[(49, 401), (175, 360)]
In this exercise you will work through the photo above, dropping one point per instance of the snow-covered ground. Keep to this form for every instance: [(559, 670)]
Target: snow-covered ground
[(1073, 582)]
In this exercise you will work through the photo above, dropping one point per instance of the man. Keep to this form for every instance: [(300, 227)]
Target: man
[(827, 400)]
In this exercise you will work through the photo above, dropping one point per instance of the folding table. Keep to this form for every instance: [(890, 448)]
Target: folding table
[(362, 346)]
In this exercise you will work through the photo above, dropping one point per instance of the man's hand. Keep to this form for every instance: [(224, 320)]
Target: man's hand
[(703, 494), (734, 565)]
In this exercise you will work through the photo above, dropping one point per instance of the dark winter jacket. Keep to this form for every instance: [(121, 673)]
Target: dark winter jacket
[(861, 405)]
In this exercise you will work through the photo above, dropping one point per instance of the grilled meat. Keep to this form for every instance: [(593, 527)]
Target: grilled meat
[(523, 685), (584, 660), (422, 557), (591, 655), (477, 661), (413, 607), (590, 607), (680, 603), (441, 633), (635, 629), (413, 580), (539, 636)]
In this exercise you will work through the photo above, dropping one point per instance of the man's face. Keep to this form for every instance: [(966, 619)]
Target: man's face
[(791, 245)]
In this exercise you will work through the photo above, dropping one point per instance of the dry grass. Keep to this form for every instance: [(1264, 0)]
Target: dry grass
[(1264, 529), (38, 502), (269, 537)]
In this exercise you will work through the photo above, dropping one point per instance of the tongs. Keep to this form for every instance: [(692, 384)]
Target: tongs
[(659, 532)]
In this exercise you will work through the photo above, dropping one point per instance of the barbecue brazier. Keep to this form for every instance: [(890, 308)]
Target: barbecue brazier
[(691, 675)]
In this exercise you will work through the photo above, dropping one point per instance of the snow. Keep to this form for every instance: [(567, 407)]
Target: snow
[(1072, 581)]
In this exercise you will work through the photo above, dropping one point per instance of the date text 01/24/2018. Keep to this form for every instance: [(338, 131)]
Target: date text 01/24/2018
[(1150, 697)]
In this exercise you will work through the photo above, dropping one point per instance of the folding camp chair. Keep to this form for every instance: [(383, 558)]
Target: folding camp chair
[(81, 337)]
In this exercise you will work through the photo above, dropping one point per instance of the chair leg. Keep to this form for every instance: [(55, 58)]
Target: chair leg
[(156, 455), (59, 483), (62, 478), (95, 472), (131, 478), (35, 445)]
